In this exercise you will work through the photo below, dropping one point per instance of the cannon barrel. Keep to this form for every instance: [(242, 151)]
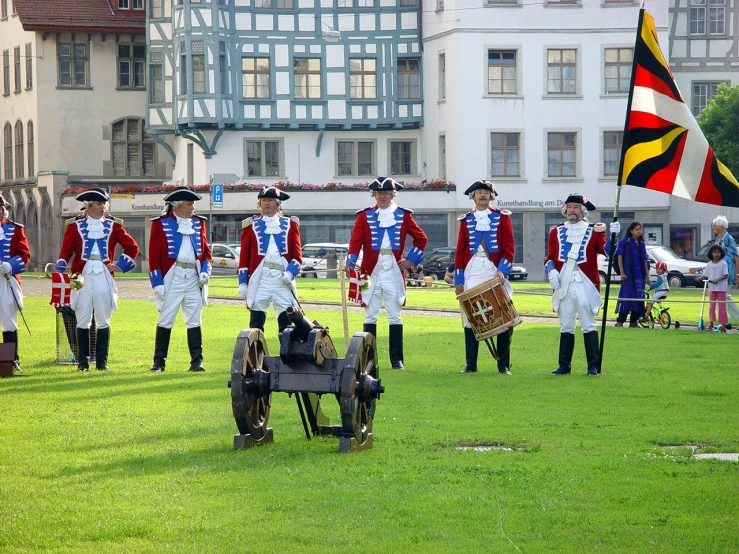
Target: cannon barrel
[(302, 325)]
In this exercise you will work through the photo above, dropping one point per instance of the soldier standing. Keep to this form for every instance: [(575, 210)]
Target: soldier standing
[(91, 239), (380, 232), (179, 270)]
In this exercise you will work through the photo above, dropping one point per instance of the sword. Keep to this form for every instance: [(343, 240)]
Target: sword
[(17, 304)]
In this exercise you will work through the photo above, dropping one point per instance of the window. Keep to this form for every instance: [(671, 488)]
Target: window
[(716, 10), (612, 141), (6, 72), (8, 150), (29, 133), (501, 72), (138, 4), (505, 154), (278, 4), (156, 82), (131, 65), (262, 158), (618, 63), (442, 76), (122, 4), (4, 9), (362, 78), (409, 79), (702, 94), (183, 70), (355, 158), (442, 156), (562, 154), (307, 78), (133, 150), (73, 60), (17, 68), (20, 160), (561, 71), (344, 3), (157, 8), (198, 74), (439, 5), (223, 67), (255, 77), (29, 66), (402, 157), (365, 3), (407, 3)]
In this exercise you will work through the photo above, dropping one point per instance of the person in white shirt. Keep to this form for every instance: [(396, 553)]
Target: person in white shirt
[(717, 275)]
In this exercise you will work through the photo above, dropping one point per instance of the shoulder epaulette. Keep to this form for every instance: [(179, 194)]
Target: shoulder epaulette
[(70, 220), (118, 220), (15, 223), (506, 212), (363, 210), (155, 218), (599, 227), (406, 210), (201, 217), (295, 218), (247, 222)]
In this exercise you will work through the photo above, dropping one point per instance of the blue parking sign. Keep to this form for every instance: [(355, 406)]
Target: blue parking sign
[(216, 195)]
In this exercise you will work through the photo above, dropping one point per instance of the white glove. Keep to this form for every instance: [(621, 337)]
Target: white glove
[(159, 292), (204, 278), (616, 227), (554, 278), (242, 291), (287, 277), (6, 268)]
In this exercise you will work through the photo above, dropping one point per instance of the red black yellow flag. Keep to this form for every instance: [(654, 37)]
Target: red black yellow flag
[(664, 149)]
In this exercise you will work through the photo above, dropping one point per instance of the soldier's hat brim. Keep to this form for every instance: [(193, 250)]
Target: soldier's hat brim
[(482, 185), (273, 192), (181, 194), (580, 199), (93, 195), (385, 183)]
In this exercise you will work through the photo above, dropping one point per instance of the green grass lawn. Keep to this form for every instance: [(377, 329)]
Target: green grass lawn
[(129, 461)]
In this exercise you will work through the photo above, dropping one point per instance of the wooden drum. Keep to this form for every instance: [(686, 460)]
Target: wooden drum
[(489, 309)]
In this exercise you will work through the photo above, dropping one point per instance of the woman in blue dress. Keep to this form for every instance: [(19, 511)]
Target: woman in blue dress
[(634, 267), (720, 227)]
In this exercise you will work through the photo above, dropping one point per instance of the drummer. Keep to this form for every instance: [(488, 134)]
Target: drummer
[(485, 249)]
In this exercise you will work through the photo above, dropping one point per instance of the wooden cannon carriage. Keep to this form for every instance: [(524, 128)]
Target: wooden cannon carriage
[(309, 367)]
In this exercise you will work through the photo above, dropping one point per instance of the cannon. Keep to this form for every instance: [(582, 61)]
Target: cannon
[(309, 367)]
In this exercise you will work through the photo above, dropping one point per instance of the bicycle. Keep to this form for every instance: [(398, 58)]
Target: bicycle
[(658, 313)]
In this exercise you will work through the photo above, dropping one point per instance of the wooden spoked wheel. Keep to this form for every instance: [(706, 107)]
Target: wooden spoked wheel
[(360, 388), (250, 394)]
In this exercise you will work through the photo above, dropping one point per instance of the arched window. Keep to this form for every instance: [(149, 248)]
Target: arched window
[(8, 151), (31, 165), (133, 150), (20, 160)]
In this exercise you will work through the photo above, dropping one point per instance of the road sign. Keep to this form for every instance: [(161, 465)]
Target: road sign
[(216, 195)]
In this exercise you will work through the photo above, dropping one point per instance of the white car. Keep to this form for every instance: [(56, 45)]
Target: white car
[(316, 256), (680, 272), (226, 256)]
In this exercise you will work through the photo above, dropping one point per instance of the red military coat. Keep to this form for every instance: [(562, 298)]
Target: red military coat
[(587, 260), (77, 244), (254, 243), (14, 247), (165, 242), (367, 236), (498, 242)]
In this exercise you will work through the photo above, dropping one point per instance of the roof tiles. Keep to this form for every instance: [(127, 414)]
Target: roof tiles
[(78, 15)]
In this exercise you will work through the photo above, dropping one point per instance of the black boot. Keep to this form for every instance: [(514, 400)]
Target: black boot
[(591, 351), (396, 347), (12, 336), (83, 349), (471, 349), (504, 352), (257, 319), (161, 347), (195, 344), (566, 347), (282, 321), (370, 328), (101, 349)]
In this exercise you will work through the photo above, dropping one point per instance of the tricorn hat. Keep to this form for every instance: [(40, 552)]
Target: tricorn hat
[(385, 183), (482, 185), (273, 192), (716, 247), (581, 199), (93, 195), (180, 194)]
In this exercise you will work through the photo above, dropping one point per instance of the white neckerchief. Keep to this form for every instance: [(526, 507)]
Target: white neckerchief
[(2, 233), (386, 216), (575, 231), (482, 220), (95, 229), (184, 225), (271, 224)]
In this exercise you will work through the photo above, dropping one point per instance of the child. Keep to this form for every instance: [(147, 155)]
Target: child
[(717, 274), (659, 285)]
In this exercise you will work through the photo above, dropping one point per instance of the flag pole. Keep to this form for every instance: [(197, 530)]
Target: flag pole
[(612, 240)]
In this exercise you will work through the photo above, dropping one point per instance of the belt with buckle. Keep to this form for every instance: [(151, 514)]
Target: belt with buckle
[(481, 255), (95, 258), (270, 265), (386, 252), (185, 265)]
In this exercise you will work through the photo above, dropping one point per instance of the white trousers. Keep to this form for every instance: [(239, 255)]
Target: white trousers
[(95, 296), (385, 289), (272, 289), (182, 290), (8, 315), (576, 304)]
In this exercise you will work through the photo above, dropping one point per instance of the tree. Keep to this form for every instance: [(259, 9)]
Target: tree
[(719, 121)]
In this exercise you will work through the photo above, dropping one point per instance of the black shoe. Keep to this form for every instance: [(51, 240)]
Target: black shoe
[(398, 364), (195, 367), (504, 371), (469, 369), (157, 368), (593, 372), (102, 368), (561, 371), (16, 366), (83, 367)]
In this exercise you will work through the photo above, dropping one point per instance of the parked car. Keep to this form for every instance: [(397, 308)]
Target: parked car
[(315, 257), (680, 272), (437, 261), (226, 256)]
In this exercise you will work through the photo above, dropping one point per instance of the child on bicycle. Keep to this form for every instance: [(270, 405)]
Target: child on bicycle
[(660, 286)]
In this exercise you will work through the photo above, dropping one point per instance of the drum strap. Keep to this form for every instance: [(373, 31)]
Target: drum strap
[(564, 284)]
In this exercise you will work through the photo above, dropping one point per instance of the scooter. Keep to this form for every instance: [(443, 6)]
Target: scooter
[(701, 326)]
